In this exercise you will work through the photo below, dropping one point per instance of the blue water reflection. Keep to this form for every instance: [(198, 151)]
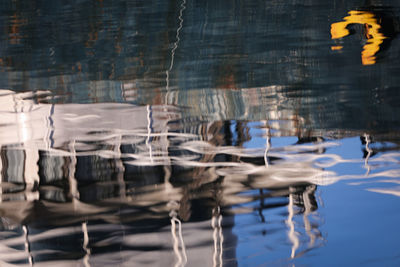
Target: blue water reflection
[(198, 133)]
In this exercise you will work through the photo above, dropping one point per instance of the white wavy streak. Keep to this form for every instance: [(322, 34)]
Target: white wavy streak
[(158, 159), (389, 191), (211, 164), (283, 173), (172, 134), (309, 147), (324, 178), (242, 169), (202, 147), (374, 182), (162, 161), (335, 159), (387, 157), (207, 148), (73, 117), (388, 173), (105, 135), (154, 162), (101, 153), (159, 156), (300, 174)]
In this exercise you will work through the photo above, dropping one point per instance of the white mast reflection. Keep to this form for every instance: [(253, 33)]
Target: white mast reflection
[(292, 234)]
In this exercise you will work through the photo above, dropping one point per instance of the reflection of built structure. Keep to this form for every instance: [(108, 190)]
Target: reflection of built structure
[(64, 164)]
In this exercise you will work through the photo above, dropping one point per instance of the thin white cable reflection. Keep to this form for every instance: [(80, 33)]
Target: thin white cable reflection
[(182, 8)]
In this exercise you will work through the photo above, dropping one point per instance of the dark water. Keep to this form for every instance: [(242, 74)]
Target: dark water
[(199, 133)]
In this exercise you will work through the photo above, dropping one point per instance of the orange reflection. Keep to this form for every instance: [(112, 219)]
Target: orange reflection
[(14, 33), (336, 47), (372, 33)]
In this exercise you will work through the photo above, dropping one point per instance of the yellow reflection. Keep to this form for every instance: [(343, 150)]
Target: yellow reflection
[(336, 47), (372, 33)]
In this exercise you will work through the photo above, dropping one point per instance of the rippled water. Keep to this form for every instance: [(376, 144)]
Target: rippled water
[(199, 133)]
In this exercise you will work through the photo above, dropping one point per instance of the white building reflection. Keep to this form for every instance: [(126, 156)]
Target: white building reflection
[(69, 164)]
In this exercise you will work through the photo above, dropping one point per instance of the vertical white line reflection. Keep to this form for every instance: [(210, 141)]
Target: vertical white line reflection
[(178, 240), (292, 233), (149, 131), (175, 243), (267, 146), (182, 243), (215, 241), (27, 245), (85, 244), (73, 184), (307, 211), (221, 239), (182, 8), (218, 238), (369, 151), (121, 168)]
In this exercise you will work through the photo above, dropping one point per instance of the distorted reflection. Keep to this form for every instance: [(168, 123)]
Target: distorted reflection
[(83, 165), (197, 133), (63, 167), (375, 25), (372, 33)]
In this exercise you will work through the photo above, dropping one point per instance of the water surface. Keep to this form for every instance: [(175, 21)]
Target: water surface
[(181, 133)]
